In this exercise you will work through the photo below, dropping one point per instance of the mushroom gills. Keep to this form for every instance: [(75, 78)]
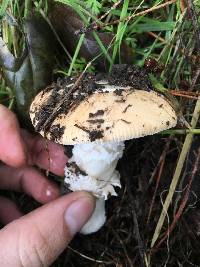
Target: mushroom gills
[(92, 168)]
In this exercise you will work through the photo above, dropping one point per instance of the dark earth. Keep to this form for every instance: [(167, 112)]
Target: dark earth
[(93, 134)]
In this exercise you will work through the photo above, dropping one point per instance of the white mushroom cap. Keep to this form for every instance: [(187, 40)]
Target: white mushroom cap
[(113, 115)]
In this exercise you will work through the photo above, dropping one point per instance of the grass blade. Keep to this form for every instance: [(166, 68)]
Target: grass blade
[(3, 7), (120, 31), (78, 47)]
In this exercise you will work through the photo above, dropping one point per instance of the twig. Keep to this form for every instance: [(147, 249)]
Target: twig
[(182, 5), (192, 58), (48, 157), (184, 201), (186, 94), (156, 36), (181, 131), (142, 13), (123, 247), (161, 164), (195, 22), (139, 239), (94, 25), (111, 9), (86, 257), (136, 226), (181, 160), (195, 77)]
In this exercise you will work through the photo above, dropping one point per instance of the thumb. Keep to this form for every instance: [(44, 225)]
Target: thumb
[(38, 238)]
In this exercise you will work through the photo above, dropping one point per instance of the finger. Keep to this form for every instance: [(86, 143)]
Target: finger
[(39, 237), (45, 154), (12, 148), (8, 211), (28, 180)]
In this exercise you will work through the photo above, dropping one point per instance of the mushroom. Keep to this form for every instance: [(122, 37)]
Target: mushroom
[(97, 117)]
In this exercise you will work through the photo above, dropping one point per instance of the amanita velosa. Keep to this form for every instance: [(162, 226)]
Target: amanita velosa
[(97, 117)]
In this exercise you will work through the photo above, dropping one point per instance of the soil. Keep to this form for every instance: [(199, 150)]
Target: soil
[(93, 134), (124, 111), (130, 75), (73, 167), (68, 150), (125, 238), (56, 131), (96, 121), (99, 112)]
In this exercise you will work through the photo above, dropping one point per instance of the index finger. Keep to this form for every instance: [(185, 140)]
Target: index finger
[(12, 147), (44, 153)]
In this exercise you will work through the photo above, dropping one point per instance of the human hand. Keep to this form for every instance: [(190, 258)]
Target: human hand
[(37, 238)]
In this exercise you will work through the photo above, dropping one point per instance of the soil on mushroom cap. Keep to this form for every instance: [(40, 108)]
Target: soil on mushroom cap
[(68, 150), (130, 75), (56, 132), (93, 134), (122, 75), (74, 168)]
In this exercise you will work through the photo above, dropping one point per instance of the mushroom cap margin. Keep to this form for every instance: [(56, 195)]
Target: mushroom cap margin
[(109, 117)]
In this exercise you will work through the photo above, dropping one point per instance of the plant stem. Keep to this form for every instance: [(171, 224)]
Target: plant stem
[(78, 47), (27, 8), (181, 131)]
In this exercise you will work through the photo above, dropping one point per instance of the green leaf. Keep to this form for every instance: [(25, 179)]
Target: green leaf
[(153, 26), (156, 84), (33, 71), (120, 32), (3, 7), (78, 47), (94, 6)]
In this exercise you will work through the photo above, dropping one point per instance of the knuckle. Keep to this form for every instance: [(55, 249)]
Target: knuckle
[(12, 119), (33, 248), (22, 177)]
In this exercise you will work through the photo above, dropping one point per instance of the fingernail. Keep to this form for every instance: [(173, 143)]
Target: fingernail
[(78, 213)]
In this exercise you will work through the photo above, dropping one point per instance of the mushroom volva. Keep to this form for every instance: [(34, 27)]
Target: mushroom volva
[(97, 116)]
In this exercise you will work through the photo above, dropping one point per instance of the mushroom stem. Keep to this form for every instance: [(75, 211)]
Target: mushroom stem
[(97, 219), (92, 168)]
